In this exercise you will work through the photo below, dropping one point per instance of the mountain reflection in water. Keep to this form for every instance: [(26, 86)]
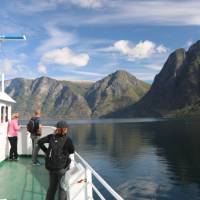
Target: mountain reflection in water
[(143, 160)]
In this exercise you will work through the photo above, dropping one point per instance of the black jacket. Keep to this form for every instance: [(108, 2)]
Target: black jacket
[(68, 147)]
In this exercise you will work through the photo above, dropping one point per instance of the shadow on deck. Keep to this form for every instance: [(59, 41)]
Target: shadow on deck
[(20, 180)]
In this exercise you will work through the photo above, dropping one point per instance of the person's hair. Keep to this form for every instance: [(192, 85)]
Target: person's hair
[(37, 112), (61, 131), (15, 115)]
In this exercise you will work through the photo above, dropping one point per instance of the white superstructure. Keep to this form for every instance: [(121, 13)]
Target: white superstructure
[(5, 115)]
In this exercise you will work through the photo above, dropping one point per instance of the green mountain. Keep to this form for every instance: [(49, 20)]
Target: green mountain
[(114, 92), (76, 100)]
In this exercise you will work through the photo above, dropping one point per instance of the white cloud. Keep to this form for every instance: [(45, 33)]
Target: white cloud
[(15, 67), (47, 5), (7, 66), (42, 68), (189, 43), (57, 38), (33, 6), (144, 49), (77, 75), (154, 66), (161, 49), (88, 3), (63, 56), (149, 11), (117, 11)]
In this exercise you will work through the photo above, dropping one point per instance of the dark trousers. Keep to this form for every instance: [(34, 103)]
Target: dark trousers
[(54, 184), (35, 147), (13, 147)]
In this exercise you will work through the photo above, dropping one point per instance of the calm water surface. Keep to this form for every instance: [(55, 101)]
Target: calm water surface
[(143, 160)]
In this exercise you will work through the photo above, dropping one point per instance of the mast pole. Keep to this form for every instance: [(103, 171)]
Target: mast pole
[(4, 38)]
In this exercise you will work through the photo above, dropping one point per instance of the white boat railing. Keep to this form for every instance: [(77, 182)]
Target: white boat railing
[(100, 179), (25, 148)]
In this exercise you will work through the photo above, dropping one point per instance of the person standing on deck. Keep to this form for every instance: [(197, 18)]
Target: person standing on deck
[(34, 126), (13, 128), (57, 158)]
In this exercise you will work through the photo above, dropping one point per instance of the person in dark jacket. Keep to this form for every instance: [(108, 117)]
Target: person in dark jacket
[(34, 126), (57, 158)]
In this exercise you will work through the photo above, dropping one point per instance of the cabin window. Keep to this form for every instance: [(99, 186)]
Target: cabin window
[(2, 114), (6, 117)]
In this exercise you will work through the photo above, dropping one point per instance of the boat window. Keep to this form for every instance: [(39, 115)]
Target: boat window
[(6, 117), (2, 114)]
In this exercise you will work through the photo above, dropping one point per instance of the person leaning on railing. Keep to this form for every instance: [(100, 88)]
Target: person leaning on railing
[(57, 158), (13, 128)]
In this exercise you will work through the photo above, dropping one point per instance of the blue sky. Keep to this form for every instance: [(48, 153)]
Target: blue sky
[(89, 39)]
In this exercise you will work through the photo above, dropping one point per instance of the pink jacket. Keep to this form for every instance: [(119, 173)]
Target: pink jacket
[(13, 128)]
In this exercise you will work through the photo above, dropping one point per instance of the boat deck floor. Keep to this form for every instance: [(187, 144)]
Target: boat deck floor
[(20, 180)]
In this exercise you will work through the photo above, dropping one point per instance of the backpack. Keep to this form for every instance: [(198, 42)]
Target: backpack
[(56, 159), (33, 127)]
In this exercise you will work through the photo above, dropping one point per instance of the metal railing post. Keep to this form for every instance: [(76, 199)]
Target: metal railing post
[(88, 183), (99, 178)]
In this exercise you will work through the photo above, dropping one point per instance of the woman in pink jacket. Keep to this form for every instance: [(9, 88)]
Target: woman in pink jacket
[(13, 128)]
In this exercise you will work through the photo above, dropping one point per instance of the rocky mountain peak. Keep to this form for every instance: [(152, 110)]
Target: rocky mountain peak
[(45, 79), (120, 86), (195, 48), (122, 74)]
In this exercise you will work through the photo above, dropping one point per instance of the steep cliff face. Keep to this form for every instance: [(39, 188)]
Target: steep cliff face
[(64, 99), (176, 87), (160, 98), (187, 88), (115, 91)]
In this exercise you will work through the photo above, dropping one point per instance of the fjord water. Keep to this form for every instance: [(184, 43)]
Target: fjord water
[(143, 159)]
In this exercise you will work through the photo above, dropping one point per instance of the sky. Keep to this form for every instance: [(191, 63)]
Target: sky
[(88, 39)]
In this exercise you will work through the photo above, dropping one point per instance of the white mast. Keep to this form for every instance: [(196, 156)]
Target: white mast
[(9, 38)]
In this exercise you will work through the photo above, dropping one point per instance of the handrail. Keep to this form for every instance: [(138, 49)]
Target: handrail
[(99, 178)]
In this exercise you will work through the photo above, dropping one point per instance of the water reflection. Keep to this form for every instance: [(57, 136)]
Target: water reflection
[(179, 143), (118, 141), (158, 160)]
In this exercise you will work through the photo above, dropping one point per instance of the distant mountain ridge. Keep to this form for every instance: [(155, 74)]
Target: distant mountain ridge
[(175, 90), (76, 100), (55, 98), (115, 91)]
